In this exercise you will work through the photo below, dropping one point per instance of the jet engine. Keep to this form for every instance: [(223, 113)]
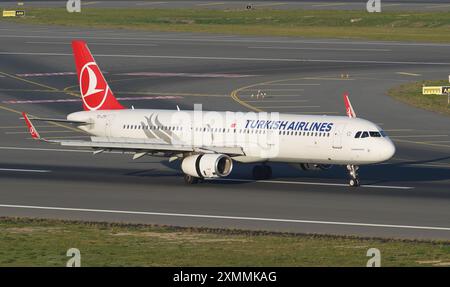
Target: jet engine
[(207, 165)]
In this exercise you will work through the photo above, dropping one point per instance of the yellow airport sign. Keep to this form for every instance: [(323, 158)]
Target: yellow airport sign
[(9, 13), (432, 90), (13, 13)]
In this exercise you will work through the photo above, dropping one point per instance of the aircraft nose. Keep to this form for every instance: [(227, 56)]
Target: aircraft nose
[(388, 150)]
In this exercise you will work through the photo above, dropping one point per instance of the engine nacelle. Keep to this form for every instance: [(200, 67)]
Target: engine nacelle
[(207, 165)]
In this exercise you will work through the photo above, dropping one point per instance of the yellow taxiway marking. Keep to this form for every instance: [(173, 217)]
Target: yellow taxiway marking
[(53, 123), (281, 84), (273, 90), (28, 81), (422, 143), (66, 137), (286, 107), (234, 94), (277, 101), (210, 4), (74, 93), (31, 90), (408, 74), (274, 96), (329, 79), (413, 161), (320, 113), (418, 136), (51, 89), (23, 126)]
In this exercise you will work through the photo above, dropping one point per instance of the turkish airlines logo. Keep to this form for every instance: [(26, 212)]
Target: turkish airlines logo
[(93, 87)]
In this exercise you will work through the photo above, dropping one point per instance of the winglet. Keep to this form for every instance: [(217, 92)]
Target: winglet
[(348, 107), (34, 134)]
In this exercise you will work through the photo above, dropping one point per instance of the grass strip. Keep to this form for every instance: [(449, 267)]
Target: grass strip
[(41, 242), (399, 26), (411, 93)]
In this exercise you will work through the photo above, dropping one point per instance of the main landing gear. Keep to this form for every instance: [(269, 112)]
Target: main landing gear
[(262, 172), (189, 179), (353, 172)]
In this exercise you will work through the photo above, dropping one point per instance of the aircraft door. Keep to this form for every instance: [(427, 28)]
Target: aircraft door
[(337, 136), (109, 125)]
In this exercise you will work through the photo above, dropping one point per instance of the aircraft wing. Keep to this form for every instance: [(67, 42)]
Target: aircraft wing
[(144, 145), (139, 146)]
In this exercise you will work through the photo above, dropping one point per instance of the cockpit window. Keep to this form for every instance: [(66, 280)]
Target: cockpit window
[(365, 135), (357, 135), (383, 134), (375, 134)]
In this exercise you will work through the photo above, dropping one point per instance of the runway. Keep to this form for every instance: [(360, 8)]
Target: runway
[(407, 197), (386, 5)]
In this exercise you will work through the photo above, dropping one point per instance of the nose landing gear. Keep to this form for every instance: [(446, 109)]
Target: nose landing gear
[(353, 172)]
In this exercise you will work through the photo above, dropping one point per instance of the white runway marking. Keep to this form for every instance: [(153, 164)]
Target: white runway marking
[(235, 59), (312, 183), (97, 44), (419, 136), (13, 102), (189, 75), (329, 4), (210, 4), (244, 218), (24, 170), (320, 49), (149, 3), (46, 74), (408, 74), (236, 40)]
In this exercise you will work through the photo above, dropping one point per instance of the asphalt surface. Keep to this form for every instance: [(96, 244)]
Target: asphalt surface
[(407, 197), (386, 5)]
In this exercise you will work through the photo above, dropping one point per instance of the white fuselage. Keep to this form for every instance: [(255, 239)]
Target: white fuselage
[(262, 137)]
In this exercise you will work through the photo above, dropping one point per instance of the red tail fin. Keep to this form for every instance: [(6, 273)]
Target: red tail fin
[(94, 89), (348, 107)]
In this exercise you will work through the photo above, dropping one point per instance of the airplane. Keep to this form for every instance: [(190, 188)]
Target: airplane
[(208, 143)]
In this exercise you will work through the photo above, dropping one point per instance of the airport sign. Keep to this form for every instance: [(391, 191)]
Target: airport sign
[(13, 13), (436, 90)]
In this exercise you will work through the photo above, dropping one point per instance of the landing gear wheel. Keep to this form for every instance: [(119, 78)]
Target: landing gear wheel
[(354, 182), (189, 179), (262, 172), (353, 172)]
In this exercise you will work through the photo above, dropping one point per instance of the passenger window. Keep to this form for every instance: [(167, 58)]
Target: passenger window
[(364, 135), (357, 135)]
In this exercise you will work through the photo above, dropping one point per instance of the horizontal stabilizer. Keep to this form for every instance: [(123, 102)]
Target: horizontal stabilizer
[(58, 121)]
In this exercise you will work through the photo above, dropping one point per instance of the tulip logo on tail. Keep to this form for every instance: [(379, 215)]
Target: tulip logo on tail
[(93, 86)]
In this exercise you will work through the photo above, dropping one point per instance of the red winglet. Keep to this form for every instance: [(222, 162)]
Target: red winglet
[(34, 134), (348, 107)]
